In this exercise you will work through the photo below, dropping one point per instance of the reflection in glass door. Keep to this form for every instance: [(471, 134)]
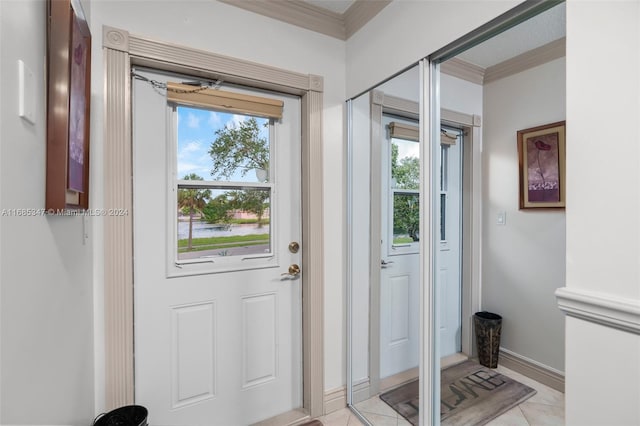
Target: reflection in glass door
[(400, 268)]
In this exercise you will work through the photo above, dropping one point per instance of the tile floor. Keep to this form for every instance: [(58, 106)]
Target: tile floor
[(545, 408)]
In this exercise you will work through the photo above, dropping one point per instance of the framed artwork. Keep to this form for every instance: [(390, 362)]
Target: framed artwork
[(68, 106), (541, 154)]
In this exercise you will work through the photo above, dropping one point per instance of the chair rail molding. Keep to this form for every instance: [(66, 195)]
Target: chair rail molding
[(604, 309)]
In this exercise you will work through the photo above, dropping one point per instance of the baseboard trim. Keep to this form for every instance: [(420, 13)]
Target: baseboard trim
[(290, 418), (615, 312), (335, 399), (532, 369), (361, 391)]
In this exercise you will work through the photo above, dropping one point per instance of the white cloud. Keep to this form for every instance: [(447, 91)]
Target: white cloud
[(235, 121), (408, 149), (194, 158), (191, 146), (214, 119), (193, 121)]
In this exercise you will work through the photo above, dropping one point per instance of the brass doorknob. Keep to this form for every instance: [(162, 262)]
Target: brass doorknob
[(294, 271), (294, 247)]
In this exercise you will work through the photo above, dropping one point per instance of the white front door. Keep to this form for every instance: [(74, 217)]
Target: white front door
[(400, 271), (217, 325), (448, 280)]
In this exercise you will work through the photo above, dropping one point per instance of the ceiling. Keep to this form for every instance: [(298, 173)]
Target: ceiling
[(538, 31), (342, 18), (533, 33)]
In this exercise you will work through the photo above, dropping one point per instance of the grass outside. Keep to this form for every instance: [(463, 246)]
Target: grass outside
[(402, 240), (264, 221), (213, 243)]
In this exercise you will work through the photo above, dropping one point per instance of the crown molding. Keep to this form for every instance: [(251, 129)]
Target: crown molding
[(533, 58), (464, 70), (361, 12), (314, 18), (296, 12), (615, 312)]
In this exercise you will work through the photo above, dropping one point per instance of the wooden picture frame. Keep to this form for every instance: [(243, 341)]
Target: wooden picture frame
[(541, 154), (68, 106)]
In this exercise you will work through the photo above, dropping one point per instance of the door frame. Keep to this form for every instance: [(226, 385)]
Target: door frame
[(471, 207), (122, 51), (382, 103)]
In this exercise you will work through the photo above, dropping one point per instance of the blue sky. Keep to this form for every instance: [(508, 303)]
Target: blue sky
[(196, 132)]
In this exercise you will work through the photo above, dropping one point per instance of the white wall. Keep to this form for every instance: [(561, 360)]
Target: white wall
[(460, 95), (405, 85), (407, 31), (223, 29), (603, 206), (523, 262), (45, 270)]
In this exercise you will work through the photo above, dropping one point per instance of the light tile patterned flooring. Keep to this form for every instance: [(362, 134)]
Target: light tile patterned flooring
[(545, 408)]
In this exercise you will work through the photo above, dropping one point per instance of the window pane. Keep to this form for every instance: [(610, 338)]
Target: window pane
[(216, 222), (444, 167), (443, 217), (405, 164), (219, 146), (406, 218)]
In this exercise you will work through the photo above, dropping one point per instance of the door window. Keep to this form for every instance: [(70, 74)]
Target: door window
[(405, 195), (450, 166), (221, 204)]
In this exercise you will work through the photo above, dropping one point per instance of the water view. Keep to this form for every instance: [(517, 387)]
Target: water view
[(208, 230), (213, 240)]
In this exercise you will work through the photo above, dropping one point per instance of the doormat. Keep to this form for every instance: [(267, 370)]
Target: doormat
[(471, 395)]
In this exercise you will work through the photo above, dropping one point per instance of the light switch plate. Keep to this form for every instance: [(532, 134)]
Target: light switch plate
[(502, 218), (26, 93)]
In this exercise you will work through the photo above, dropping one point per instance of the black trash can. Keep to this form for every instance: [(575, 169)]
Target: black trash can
[(130, 415), (488, 327)]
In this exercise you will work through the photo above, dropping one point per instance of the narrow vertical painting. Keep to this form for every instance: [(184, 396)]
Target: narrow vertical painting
[(541, 152), (68, 106), (77, 107)]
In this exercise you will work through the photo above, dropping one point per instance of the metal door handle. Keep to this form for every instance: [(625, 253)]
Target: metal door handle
[(385, 263), (294, 271)]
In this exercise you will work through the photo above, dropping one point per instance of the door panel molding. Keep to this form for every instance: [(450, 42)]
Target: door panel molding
[(122, 51)]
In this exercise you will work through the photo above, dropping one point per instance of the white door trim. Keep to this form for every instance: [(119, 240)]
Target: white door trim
[(121, 51), (380, 103), (472, 220)]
